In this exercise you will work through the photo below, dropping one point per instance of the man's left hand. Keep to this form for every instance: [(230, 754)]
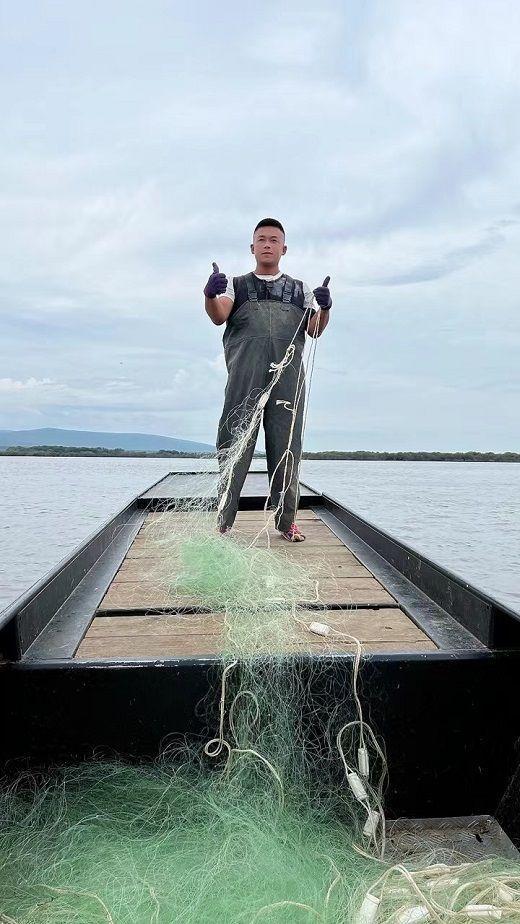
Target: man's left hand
[(322, 294)]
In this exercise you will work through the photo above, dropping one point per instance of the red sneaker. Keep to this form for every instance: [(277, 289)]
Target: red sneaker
[(293, 534)]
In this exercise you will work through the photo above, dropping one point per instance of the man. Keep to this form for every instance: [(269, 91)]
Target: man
[(265, 311)]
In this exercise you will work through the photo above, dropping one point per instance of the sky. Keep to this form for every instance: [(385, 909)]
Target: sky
[(140, 141)]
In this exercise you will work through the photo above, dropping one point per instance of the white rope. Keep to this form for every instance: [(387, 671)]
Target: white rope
[(214, 747), (288, 454)]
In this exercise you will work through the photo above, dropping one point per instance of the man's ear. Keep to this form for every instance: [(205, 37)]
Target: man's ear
[(284, 248), (252, 248)]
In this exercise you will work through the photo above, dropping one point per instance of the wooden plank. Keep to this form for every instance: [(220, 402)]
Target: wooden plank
[(352, 592), (299, 551), (325, 541), (158, 570), (147, 595), (385, 624), (259, 516), (366, 625), (246, 520), (203, 634), (143, 596), (148, 550), (242, 515), (312, 554), (164, 529), (184, 485), (142, 579), (176, 514), (164, 524), (314, 528), (332, 564), (195, 646), (179, 624)]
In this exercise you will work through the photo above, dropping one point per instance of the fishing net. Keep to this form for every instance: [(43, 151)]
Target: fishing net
[(275, 815)]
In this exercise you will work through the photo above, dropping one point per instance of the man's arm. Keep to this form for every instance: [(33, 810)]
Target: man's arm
[(317, 323), (218, 308)]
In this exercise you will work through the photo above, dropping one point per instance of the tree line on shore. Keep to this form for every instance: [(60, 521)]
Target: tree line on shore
[(354, 455)]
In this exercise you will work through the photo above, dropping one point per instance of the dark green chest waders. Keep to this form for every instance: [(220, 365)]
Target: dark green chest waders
[(268, 317)]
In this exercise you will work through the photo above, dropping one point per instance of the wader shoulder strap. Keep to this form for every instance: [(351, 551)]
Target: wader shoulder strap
[(251, 290)]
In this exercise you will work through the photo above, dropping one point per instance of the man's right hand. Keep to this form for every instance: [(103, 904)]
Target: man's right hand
[(216, 284)]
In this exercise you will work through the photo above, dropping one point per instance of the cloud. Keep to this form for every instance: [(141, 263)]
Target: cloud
[(448, 262), (137, 148), (32, 384)]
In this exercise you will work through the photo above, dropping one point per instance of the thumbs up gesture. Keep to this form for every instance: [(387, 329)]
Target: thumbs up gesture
[(216, 284), (322, 294)]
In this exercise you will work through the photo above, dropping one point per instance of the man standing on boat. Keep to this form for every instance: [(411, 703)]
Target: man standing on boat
[(264, 312)]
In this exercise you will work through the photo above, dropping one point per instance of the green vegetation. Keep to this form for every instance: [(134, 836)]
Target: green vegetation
[(417, 456), (354, 455), (100, 451)]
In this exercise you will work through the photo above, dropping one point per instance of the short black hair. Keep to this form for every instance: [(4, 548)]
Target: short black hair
[(270, 223)]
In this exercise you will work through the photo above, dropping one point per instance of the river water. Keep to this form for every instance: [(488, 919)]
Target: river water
[(465, 516)]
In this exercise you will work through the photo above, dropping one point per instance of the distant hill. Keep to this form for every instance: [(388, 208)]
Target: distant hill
[(50, 436)]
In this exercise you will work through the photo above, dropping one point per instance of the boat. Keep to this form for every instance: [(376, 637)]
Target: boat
[(95, 658)]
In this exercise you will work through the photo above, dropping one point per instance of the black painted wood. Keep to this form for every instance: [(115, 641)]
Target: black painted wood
[(63, 633), (23, 621), (436, 712)]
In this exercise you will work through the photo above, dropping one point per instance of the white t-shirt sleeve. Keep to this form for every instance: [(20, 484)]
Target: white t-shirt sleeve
[(310, 301), (230, 292)]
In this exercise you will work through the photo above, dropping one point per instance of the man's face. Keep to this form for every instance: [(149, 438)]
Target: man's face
[(268, 245)]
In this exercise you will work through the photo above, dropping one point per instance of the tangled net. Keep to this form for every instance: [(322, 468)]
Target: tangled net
[(277, 815)]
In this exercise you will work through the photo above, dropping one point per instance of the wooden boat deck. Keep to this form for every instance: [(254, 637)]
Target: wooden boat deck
[(140, 616), (114, 599), (98, 656), (179, 485)]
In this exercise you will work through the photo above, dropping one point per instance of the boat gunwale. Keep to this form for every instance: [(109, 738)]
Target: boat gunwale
[(28, 595), (439, 655), (442, 569)]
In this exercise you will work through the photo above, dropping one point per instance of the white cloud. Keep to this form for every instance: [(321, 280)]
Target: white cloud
[(12, 385), (383, 135)]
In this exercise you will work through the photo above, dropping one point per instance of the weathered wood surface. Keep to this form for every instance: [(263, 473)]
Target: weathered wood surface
[(301, 551), (315, 539), (250, 515), (156, 569), (157, 648), (201, 634), (204, 484), (146, 582), (151, 594), (146, 579)]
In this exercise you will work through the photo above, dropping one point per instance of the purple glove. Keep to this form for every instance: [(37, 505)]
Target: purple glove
[(216, 284), (322, 294)]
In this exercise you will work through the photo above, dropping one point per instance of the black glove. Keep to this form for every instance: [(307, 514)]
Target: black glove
[(322, 295), (216, 284)]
